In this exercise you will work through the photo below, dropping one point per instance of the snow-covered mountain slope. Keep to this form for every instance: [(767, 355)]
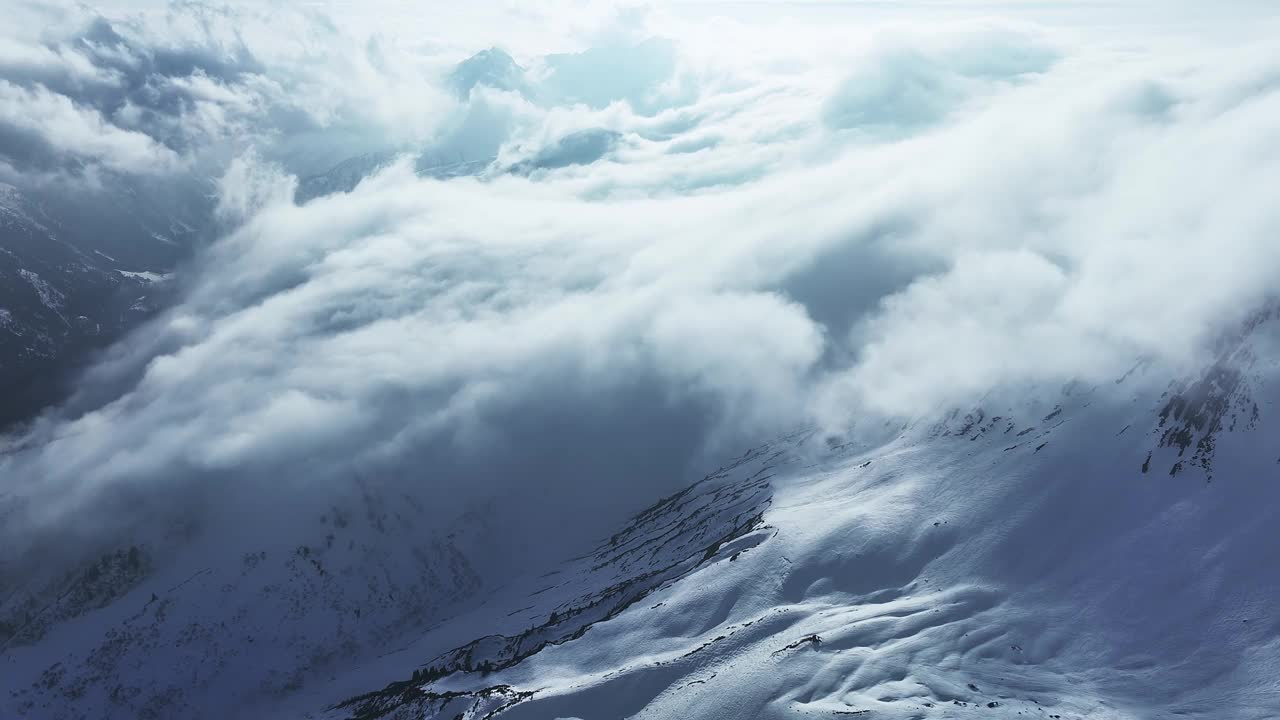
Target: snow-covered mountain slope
[(1092, 552), (74, 278), (198, 616), (1109, 554)]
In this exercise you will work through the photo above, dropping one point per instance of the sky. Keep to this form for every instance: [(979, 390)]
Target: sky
[(693, 226)]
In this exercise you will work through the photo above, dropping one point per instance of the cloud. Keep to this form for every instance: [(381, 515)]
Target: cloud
[(899, 87), (52, 65), (708, 252), (187, 85), (68, 130)]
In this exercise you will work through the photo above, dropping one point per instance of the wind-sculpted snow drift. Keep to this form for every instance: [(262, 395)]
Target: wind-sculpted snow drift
[(1100, 552)]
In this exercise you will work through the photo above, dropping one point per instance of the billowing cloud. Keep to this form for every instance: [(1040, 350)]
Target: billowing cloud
[(77, 132), (684, 258), (899, 86)]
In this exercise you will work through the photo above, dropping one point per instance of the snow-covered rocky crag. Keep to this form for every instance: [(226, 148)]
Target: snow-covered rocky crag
[(1100, 551)]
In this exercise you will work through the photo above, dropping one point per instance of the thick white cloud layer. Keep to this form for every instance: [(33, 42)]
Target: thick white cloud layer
[(82, 133), (709, 249)]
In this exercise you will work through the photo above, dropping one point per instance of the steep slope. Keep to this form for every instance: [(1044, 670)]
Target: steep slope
[(1106, 553), (73, 279), (214, 617), (199, 616), (1088, 552)]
